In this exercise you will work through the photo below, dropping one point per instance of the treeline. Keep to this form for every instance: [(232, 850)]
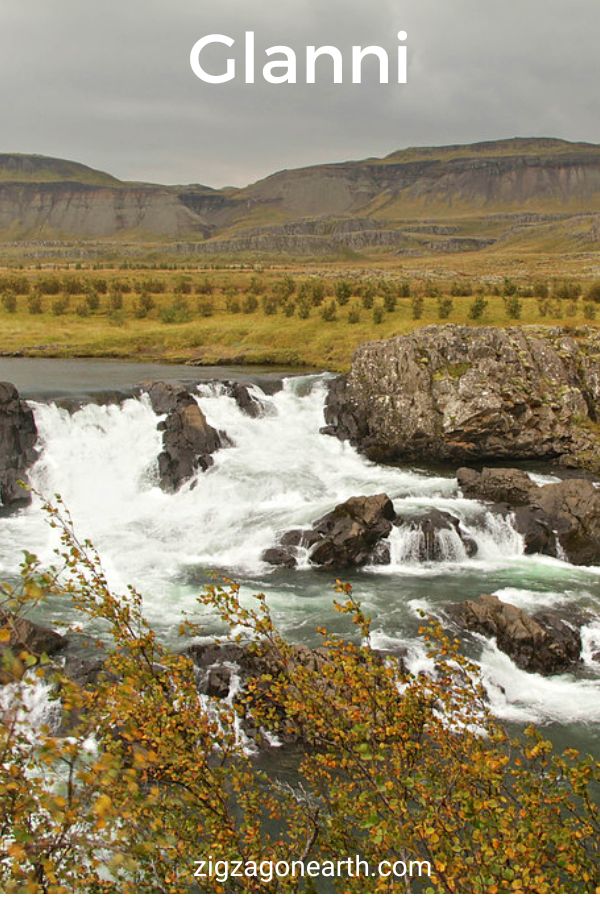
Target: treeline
[(185, 296)]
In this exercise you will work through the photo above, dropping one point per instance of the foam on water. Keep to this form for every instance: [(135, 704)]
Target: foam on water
[(282, 473)]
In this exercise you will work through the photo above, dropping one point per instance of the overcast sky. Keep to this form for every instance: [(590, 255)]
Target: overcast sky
[(108, 82)]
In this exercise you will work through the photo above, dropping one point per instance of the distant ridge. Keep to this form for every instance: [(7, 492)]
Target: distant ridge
[(410, 201)]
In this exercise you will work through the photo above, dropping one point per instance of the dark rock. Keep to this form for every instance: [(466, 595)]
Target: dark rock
[(188, 441), (29, 636), (244, 399), (353, 534), (280, 556), (350, 534), (381, 555), (555, 519), (542, 643), (430, 524), (165, 395), (299, 538), (18, 437), (537, 531), (573, 509), (510, 486), (463, 393)]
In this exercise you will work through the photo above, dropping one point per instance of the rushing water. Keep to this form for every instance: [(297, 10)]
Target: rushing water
[(282, 474)]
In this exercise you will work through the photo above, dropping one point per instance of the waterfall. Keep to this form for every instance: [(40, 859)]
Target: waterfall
[(411, 545), (280, 474)]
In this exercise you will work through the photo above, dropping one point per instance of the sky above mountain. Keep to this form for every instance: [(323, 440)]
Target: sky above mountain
[(110, 84)]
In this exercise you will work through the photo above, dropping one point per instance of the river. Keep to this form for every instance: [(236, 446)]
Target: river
[(281, 474)]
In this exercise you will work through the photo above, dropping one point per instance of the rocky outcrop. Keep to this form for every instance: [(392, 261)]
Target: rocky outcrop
[(188, 440), (573, 509), (561, 519), (18, 436), (459, 393), (545, 642), (188, 444), (350, 536)]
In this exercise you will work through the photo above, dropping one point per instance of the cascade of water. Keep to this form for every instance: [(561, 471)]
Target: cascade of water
[(281, 473)]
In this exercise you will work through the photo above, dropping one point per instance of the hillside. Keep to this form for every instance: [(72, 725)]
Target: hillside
[(440, 199)]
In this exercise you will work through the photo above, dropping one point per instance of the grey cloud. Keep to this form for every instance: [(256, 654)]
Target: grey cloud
[(109, 83)]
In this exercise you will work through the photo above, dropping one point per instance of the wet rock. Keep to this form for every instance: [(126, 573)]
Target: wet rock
[(381, 555), (537, 530), (431, 525), (244, 399), (280, 556), (463, 393), (18, 437), (352, 535), (573, 510), (510, 486), (188, 440), (555, 519), (299, 538), (544, 643), (349, 534), (165, 395)]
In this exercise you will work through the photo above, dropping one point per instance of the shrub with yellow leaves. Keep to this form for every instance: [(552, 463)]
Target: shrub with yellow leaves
[(141, 776)]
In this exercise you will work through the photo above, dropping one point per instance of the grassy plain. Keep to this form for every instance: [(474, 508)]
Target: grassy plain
[(207, 327)]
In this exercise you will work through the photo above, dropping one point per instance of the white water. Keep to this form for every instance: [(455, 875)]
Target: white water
[(282, 474)]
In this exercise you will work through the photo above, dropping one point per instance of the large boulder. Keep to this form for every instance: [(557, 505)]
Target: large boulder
[(544, 643), (188, 444), (561, 519), (511, 486), (573, 509), (350, 533), (463, 393), (188, 440), (351, 536), (18, 437)]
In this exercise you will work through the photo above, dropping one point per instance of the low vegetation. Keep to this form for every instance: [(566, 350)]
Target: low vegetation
[(305, 318)]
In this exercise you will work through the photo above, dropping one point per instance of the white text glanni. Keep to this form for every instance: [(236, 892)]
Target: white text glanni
[(326, 63)]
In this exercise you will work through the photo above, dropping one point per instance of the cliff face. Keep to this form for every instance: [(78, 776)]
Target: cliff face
[(382, 200), (458, 393), (512, 182), (85, 211)]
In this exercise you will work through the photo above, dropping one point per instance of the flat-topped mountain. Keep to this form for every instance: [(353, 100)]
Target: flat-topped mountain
[(446, 198)]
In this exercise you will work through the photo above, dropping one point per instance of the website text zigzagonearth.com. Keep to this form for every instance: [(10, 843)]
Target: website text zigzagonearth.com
[(265, 870)]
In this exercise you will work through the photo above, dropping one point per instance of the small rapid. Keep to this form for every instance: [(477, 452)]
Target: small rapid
[(283, 474)]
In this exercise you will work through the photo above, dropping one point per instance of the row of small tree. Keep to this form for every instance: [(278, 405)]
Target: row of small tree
[(314, 290)]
